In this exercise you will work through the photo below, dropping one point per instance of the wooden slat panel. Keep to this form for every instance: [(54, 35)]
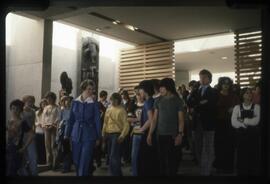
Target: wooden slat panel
[(248, 44), (147, 46), (248, 57), (248, 35), (248, 53), (145, 72), (146, 62), (135, 69), (146, 49)]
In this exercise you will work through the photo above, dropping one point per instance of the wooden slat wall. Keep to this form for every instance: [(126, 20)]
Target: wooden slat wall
[(248, 57), (151, 61)]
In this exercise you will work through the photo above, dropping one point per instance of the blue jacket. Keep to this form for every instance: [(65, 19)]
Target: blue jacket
[(84, 121)]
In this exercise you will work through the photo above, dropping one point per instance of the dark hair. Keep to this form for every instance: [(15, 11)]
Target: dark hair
[(103, 94), (136, 87), (51, 95), (192, 83), (116, 97), (236, 89), (17, 103), (169, 84), (40, 108), (86, 83), (25, 98), (223, 80), (156, 84), (207, 73), (258, 84), (125, 93), (242, 92), (147, 86)]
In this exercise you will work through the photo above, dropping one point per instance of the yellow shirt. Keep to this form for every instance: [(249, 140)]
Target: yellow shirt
[(115, 121)]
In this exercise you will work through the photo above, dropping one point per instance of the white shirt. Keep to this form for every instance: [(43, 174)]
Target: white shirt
[(247, 121), (38, 122), (51, 115)]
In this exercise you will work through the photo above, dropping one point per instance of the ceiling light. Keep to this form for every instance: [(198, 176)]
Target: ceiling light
[(97, 29), (224, 58), (116, 22), (132, 28)]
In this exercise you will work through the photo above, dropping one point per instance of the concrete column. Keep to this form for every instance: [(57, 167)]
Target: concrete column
[(47, 57)]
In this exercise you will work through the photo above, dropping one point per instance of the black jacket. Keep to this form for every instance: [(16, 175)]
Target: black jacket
[(206, 108)]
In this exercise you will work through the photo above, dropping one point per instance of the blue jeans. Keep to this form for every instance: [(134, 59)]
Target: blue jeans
[(136, 141), (32, 158), (115, 155), (82, 154)]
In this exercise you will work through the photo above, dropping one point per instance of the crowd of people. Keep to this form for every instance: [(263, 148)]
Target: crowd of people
[(148, 130)]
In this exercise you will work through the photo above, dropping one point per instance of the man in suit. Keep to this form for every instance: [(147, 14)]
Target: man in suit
[(206, 110)]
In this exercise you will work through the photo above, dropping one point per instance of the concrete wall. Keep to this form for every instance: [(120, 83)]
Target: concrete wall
[(181, 77), (64, 55), (24, 39)]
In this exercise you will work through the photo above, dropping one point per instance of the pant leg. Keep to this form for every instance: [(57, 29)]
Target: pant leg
[(48, 140), (115, 156), (242, 156), (87, 152), (41, 151), (164, 149), (136, 140), (32, 158), (174, 156), (53, 146), (208, 153), (76, 154)]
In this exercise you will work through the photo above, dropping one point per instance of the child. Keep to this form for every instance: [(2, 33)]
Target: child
[(50, 120), (136, 133), (17, 130), (115, 128), (169, 120), (40, 140), (63, 145), (245, 119)]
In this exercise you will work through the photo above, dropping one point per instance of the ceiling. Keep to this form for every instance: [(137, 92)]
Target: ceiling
[(170, 23), (207, 58)]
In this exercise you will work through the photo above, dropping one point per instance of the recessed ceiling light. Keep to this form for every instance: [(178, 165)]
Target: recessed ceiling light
[(98, 29), (224, 57), (132, 28), (116, 22)]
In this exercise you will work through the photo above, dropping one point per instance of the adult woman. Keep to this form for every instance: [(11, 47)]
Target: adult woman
[(84, 128), (224, 135), (245, 119), (169, 119), (40, 139)]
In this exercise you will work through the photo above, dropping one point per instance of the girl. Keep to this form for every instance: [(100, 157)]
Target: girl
[(245, 119), (50, 120), (115, 129), (40, 140), (84, 128), (169, 119)]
